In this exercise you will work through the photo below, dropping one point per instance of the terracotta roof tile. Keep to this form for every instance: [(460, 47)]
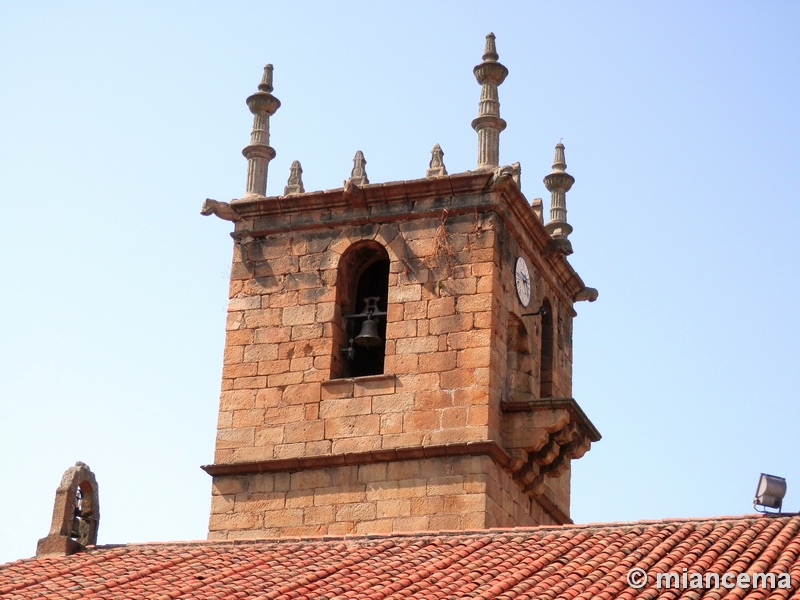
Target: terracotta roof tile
[(587, 562)]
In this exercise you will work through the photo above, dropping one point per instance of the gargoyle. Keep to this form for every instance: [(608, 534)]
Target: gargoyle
[(586, 294), (560, 245), (222, 209), (503, 176)]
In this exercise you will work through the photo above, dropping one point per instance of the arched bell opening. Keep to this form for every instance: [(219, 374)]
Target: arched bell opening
[(84, 522), (362, 291)]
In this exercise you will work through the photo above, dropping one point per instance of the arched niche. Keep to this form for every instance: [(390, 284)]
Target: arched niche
[(519, 361)]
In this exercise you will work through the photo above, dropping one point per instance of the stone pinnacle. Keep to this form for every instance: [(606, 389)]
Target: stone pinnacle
[(558, 182), (488, 124), (258, 153)]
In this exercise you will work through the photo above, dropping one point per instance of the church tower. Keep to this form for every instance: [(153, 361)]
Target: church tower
[(398, 355)]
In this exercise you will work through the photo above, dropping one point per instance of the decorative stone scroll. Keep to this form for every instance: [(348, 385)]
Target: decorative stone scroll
[(76, 514)]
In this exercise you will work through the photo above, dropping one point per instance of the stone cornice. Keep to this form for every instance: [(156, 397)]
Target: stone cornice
[(372, 194), (490, 190), (489, 448), (569, 404)]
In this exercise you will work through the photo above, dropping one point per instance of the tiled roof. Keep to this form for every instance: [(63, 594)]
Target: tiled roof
[(567, 562)]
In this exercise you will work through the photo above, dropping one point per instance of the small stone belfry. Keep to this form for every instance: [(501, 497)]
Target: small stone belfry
[(76, 514), (399, 355)]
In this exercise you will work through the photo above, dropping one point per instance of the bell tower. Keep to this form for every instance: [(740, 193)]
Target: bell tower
[(398, 355)]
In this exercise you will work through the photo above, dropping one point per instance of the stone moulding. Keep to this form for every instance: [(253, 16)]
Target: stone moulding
[(568, 404), (474, 191), (488, 448)]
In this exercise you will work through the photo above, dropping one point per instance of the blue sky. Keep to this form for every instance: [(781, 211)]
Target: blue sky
[(681, 127)]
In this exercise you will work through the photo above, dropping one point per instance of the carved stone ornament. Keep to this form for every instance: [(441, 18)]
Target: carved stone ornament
[(222, 209), (76, 514), (359, 173), (559, 245), (436, 167), (503, 176), (587, 294), (295, 183), (559, 182), (488, 123), (536, 205), (258, 152)]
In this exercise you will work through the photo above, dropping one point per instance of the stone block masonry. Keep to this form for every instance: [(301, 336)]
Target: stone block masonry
[(304, 448), (453, 493), (398, 356), (280, 398)]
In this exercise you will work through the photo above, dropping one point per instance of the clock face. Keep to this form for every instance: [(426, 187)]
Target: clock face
[(523, 281)]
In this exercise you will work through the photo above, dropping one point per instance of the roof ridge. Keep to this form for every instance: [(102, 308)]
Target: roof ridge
[(495, 531)]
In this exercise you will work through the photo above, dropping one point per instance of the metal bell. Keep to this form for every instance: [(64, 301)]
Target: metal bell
[(368, 337)]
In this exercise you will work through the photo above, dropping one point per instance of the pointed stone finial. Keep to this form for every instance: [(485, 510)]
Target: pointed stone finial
[(558, 182), (436, 167), (295, 183), (488, 124), (490, 50), (559, 161), (258, 153), (359, 173), (266, 80)]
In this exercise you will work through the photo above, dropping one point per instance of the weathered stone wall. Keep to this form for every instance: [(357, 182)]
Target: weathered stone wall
[(453, 493), (508, 505), (543, 287), (509, 309), (278, 399), (447, 371)]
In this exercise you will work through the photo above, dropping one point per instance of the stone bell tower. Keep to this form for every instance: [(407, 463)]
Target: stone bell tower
[(398, 355)]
